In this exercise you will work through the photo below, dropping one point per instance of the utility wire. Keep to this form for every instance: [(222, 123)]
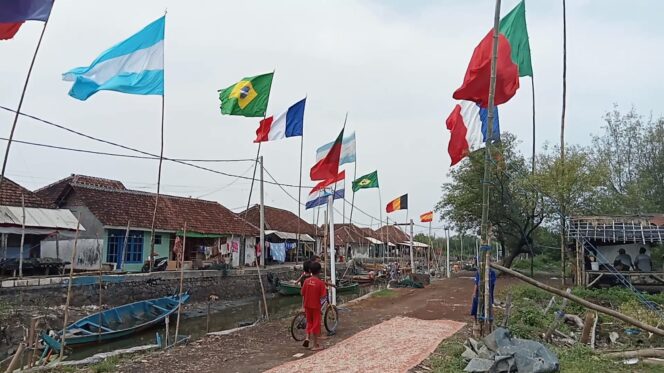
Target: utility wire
[(186, 163)]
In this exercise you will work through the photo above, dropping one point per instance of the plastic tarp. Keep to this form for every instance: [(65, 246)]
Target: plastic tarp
[(499, 352)]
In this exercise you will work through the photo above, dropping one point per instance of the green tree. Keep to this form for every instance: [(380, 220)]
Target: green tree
[(631, 148), (516, 210)]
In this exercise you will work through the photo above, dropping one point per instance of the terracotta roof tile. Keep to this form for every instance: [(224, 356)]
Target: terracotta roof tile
[(395, 234), (114, 205), (10, 195), (280, 220)]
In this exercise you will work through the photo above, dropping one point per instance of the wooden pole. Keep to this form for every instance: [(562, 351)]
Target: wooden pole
[(583, 302), (184, 248), (15, 362), (57, 244), (71, 275), (299, 203), (562, 149), (156, 200), (20, 255), (100, 288), (484, 297), (3, 237), (262, 236), (20, 104), (558, 317)]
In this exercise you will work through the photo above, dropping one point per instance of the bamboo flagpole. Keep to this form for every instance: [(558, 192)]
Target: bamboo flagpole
[(161, 160), (484, 290), (20, 103), (299, 199), (562, 148)]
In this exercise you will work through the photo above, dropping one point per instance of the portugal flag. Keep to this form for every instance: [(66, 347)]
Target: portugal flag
[(248, 97), (328, 166), (426, 217), (400, 203)]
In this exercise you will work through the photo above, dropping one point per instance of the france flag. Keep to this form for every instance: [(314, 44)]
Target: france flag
[(134, 66)]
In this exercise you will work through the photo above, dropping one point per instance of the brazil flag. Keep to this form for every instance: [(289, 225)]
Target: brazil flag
[(366, 181), (248, 97)]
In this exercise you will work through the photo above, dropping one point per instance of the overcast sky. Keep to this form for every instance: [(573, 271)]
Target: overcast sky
[(392, 65)]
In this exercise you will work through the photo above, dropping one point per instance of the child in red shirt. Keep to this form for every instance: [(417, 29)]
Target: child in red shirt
[(313, 289)]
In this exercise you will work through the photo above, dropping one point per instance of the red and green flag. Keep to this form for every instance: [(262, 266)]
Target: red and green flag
[(513, 26), (513, 61)]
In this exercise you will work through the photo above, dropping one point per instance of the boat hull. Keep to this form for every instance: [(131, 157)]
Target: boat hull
[(121, 321)]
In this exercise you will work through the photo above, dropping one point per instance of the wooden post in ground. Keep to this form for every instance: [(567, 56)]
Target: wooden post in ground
[(71, 275), (558, 318), (184, 248), (587, 327), (20, 252), (15, 362)]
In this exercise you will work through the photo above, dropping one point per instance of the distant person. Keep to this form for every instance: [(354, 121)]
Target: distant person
[(619, 265), (625, 259), (643, 262), (313, 290)]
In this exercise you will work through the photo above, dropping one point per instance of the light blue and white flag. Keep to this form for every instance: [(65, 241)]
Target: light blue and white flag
[(347, 150), (134, 66)]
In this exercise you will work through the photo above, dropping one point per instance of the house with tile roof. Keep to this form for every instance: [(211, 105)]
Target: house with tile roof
[(122, 218), (42, 219), (282, 227)]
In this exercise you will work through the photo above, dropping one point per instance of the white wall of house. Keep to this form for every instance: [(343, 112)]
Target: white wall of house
[(88, 252)]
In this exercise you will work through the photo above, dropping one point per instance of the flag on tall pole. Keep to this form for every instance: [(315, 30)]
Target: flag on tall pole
[(13, 13), (319, 194), (400, 203), (348, 152), (328, 166), (427, 217), (248, 97), (475, 86), (287, 124), (468, 126), (134, 66), (513, 26), (365, 182)]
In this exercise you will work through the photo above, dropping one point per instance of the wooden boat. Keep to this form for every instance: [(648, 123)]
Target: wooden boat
[(363, 279), (121, 321), (289, 288), (293, 288), (348, 287)]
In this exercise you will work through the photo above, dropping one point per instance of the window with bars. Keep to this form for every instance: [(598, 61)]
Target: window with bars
[(134, 250)]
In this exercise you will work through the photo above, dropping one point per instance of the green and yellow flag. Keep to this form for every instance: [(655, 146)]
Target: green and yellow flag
[(248, 97), (366, 181)]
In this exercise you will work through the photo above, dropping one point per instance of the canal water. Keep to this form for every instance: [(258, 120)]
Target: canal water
[(223, 316)]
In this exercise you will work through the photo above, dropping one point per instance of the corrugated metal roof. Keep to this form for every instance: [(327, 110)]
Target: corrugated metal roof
[(373, 240), (291, 236), (38, 217)]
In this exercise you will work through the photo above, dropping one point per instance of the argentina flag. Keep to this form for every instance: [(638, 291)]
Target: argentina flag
[(134, 66)]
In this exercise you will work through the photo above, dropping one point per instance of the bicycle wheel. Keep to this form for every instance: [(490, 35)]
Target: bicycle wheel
[(298, 327), (331, 318)]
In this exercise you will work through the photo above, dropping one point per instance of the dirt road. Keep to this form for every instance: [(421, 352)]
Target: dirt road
[(268, 345)]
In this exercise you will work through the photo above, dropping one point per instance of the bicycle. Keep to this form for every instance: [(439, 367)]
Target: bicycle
[(298, 327)]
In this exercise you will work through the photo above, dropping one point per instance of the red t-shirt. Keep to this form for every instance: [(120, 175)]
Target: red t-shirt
[(312, 291)]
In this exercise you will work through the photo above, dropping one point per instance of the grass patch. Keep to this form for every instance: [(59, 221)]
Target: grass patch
[(105, 366), (541, 263), (385, 293)]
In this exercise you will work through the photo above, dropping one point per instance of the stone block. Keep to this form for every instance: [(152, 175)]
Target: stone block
[(8, 284), (33, 282), (21, 283), (56, 280)]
